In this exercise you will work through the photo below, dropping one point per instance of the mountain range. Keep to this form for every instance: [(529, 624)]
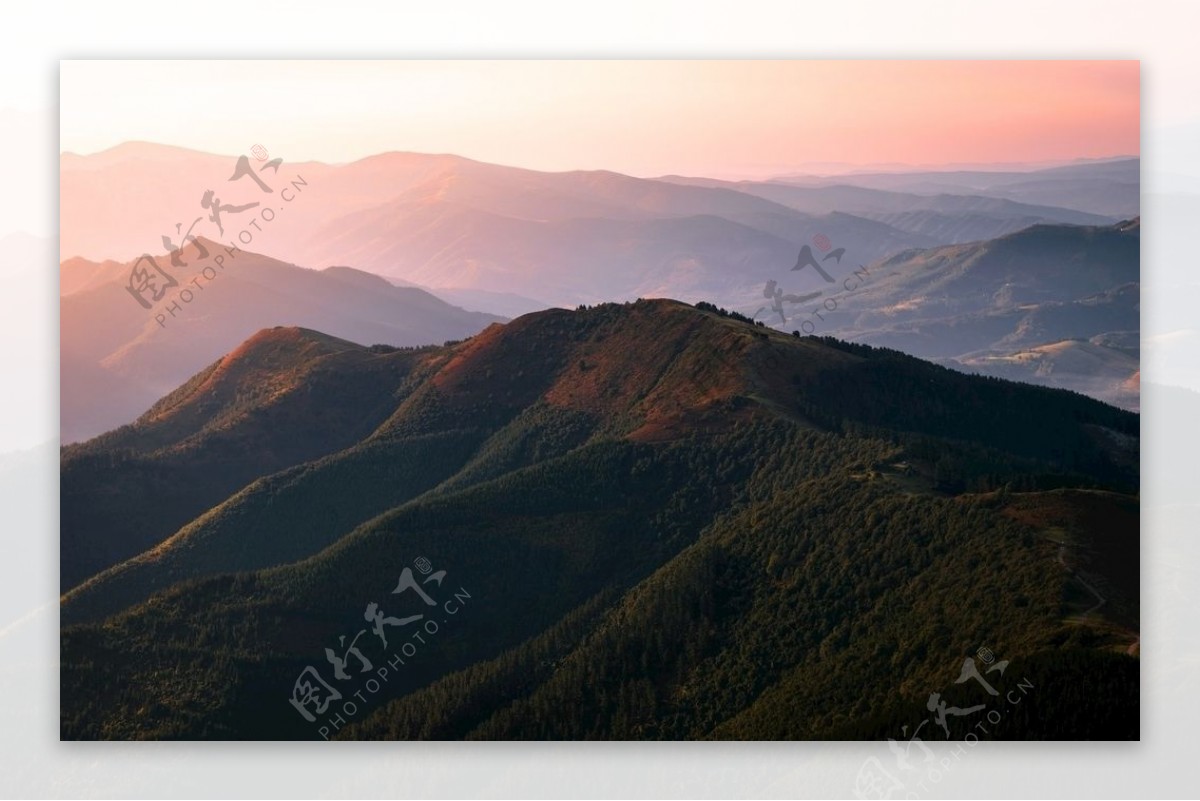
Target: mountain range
[(508, 241), (446, 222), (480, 452), (631, 521)]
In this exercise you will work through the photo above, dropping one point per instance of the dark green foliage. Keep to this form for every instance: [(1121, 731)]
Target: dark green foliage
[(296, 513), (889, 391), (804, 610), (129, 489), (733, 533)]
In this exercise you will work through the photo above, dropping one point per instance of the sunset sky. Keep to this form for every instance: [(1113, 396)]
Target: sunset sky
[(646, 118)]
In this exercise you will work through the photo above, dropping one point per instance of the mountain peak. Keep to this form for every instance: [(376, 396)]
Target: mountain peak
[(267, 364), (293, 336)]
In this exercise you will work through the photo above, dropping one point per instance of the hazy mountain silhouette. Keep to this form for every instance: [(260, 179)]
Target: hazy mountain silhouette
[(117, 358), (447, 222), (450, 223), (1109, 187), (1010, 306), (944, 217)]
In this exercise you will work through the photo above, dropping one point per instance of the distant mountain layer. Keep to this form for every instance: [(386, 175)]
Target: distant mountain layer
[(863, 200), (655, 522), (1101, 371), (118, 358), (446, 222), (1110, 187), (1006, 306)]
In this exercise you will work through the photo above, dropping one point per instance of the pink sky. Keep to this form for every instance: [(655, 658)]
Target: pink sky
[(720, 118)]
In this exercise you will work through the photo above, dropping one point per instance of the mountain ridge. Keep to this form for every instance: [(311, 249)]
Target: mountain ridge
[(648, 497), (585, 375)]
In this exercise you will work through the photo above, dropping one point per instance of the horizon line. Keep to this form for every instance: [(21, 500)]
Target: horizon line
[(804, 170)]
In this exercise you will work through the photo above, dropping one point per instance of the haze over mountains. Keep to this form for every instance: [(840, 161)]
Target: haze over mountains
[(1109, 187), (118, 359), (446, 222), (660, 523), (960, 217), (508, 241), (1057, 305), (449, 222)]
